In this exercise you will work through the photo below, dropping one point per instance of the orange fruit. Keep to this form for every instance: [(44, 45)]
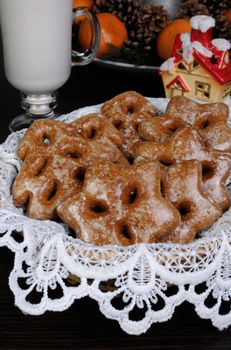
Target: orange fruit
[(228, 14), (83, 3), (113, 33), (166, 37)]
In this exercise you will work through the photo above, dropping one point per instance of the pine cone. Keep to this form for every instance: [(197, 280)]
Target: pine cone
[(223, 28), (190, 8), (125, 10), (150, 21), (216, 7)]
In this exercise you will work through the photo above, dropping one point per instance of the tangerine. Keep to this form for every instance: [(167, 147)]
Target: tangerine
[(228, 14), (83, 3), (113, 33), (166, 37)]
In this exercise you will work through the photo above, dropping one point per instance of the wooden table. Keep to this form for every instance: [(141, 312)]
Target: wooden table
[(82, 326)]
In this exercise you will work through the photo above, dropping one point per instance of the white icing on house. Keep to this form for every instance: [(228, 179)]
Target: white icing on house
[(203, 50), (202, 23), (185, 38), (221, 44), (188, 46), (168, 65)]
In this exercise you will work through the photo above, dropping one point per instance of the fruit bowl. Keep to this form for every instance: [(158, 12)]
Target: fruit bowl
[(129, 67), (148, 43)]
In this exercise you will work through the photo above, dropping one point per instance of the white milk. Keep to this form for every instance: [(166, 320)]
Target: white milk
[(36, 43)]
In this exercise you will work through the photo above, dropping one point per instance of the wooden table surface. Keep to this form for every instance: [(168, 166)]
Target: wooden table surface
[(82, 326)]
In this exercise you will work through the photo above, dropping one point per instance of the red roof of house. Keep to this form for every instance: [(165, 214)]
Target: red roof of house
[(212, 64)]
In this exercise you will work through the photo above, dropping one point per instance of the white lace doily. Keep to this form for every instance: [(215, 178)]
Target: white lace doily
[(137, 285)]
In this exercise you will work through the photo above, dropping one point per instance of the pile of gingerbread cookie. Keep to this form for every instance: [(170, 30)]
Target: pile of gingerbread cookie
[(128, 175)]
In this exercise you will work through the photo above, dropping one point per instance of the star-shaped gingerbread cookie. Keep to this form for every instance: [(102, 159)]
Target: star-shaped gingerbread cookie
[(120, 205), (186, 144), (126, 112)]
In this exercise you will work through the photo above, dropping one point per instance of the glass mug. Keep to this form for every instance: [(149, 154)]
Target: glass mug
[(36, 37)]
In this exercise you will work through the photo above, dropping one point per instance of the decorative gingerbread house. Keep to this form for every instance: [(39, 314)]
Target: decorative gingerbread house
[(200, 66)]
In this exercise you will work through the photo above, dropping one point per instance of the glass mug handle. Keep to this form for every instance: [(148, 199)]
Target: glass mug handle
[(85, 57)]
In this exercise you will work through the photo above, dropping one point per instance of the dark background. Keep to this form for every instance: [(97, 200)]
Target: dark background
[(82, 326)]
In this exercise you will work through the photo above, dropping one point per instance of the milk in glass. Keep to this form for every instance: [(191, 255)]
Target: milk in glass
[(36, 43)]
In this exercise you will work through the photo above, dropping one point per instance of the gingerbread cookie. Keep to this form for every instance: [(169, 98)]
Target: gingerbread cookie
[(126, 111), (55, 161), (209, 119), (181, 185), (160, 128), (120, 206), (96, 127), (186, 144)]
